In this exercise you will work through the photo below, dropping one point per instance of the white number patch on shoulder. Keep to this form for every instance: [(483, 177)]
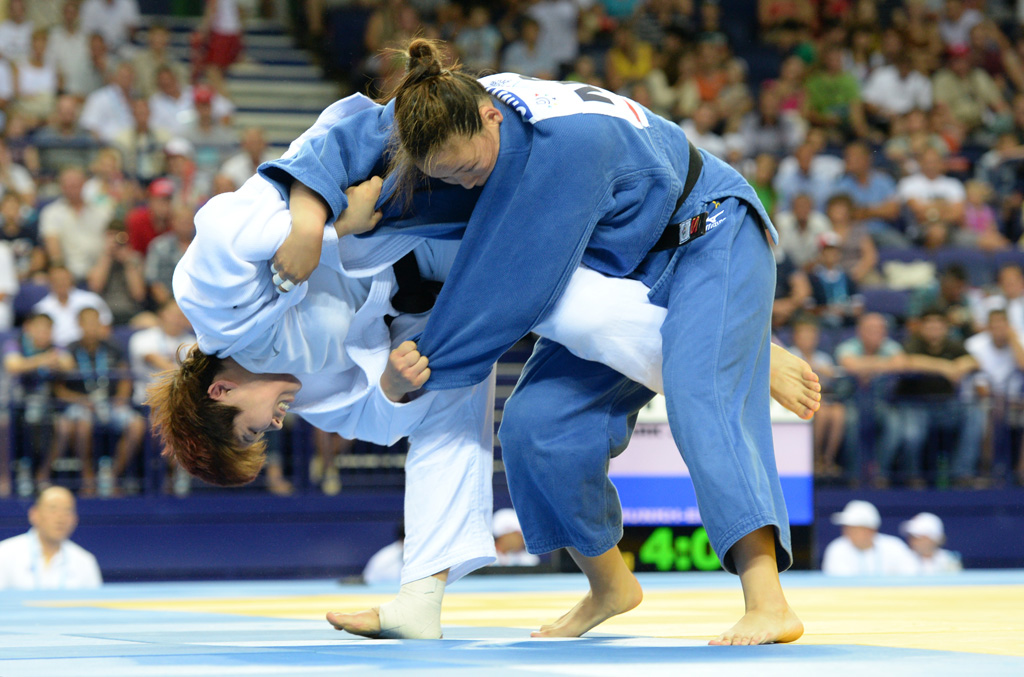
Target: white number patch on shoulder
[(538, 100)]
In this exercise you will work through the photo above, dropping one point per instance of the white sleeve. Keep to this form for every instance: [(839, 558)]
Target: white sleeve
[(8, 278), (611, 321)]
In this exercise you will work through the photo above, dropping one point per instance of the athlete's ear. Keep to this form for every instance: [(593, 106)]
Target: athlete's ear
[(220, 388), (490, 115)]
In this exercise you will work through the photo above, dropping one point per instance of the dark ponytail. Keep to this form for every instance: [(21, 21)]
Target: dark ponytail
[(434, 102)]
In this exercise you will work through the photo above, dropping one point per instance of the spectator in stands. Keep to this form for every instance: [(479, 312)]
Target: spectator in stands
[(763, 178), (525, 56), (927, 400), (836, 300), (800, 231), (868, 355), (830, 419), (629, 60), (950, 293), (63, 304), (115, 20), (508, 541), (181, 171), (63, 142), (858, 253), (107, 112), (895, 90), (211, 139), (6, 83), (33, 359), (930, 197), (767, 130), (45, 558), (149, 61), (834, 100), (712, 57), (909, 137), (792, 290), (385, 566), (802, 177), (999, 352), (146, 222), (143, 145), (479, 42), (19, 232), (873, 193), (956, 24), (107, 186), (1010, 297), (118, 278), (980, 225), (68, 49), (735, 99), (776, 18), (969, 92), (72, 229), (158, 348), (170, 107), (996, 56), (166, 250), (8, 286), (862, 550), (789, 86), (16, 32), (559, 28), (99, 394), (219, 35), (1000, 167), (240, 167), (14, 178), (926, 535), (37, 81), (700, 130)]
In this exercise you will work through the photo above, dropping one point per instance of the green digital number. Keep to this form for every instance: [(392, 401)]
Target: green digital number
[(667, 552)]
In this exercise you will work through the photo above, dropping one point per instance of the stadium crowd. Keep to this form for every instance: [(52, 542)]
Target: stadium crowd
[(885, 137)]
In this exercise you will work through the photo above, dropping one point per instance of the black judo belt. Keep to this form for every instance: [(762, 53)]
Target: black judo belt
[(677, 234), (415, 294)]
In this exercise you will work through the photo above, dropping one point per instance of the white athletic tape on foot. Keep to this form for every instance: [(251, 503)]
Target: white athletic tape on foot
[(415, 613)]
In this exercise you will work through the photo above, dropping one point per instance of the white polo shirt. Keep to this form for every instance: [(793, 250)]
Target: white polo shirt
[(65, 315), (22, 566), (888, 556), (998, 364), (920, 187)]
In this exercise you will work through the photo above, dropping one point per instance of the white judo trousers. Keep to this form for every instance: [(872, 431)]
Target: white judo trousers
[(330, 333)]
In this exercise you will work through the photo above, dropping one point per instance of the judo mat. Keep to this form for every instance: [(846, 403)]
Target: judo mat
[(971, 624)]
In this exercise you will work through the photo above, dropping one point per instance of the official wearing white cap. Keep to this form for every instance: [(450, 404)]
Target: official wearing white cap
[(508, 541), (925, 534), (861, 550)]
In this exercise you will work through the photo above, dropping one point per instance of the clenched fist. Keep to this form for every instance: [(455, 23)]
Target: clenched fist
[(407, 371)]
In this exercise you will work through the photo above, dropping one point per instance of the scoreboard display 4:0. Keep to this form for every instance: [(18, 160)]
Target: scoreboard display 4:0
[(676, 548)]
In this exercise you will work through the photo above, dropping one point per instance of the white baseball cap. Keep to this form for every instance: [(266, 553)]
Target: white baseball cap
[(924, 524), (505, 522), (858, 514)]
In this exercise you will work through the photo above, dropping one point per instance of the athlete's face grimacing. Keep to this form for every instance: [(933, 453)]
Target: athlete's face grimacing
[(468, 161), (263, 399)]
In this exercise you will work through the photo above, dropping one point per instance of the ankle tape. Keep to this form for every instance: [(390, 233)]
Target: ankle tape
[(415, 613)]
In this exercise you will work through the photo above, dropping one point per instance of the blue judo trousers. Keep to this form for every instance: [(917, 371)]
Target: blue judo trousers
[(568, 416)]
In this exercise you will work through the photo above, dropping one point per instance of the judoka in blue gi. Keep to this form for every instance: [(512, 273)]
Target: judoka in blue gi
[(344, 148), (572, 174)]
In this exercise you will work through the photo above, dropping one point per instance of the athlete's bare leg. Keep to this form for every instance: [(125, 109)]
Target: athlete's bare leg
[(613, 590), (768, 616)]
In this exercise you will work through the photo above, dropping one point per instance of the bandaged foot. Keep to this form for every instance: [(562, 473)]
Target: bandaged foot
[(414, 614), (794, 384)]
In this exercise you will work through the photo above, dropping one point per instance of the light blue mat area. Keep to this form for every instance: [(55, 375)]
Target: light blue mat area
[(40, 641)]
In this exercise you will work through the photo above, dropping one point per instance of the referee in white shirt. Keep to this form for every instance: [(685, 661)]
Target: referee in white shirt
[(44, 558)]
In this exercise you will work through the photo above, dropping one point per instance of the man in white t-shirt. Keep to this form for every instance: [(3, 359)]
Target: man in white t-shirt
[(158, 348), (44, 558), (999, 352), (73, 230), (861, 550), (925, 535), (15, 32), (115, 20), (930, 195), (107, 112), (65, 302), (891, 91)]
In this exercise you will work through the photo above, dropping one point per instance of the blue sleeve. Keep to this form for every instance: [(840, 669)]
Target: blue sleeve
[(349, 153), (533, 222)]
